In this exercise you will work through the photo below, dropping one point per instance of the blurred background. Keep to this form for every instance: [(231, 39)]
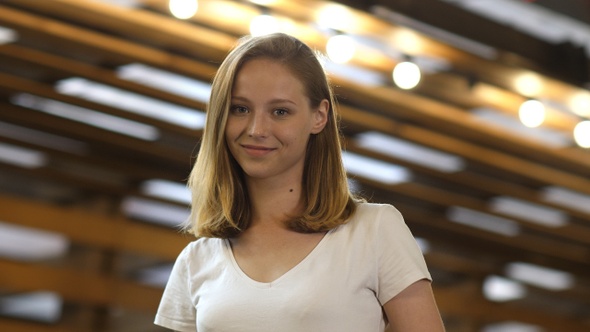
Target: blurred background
[(472, 117)]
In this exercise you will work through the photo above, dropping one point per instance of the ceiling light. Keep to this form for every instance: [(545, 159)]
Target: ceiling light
[(408, 35), (154, 211), (544, 135), (86, 116), (155, 276), (500, 289), (406, 75), (263, 25), (535, 213), (22, 157), (24, 243), (174, 191), (512, 327), (580, 104), (42, 138), (567, 198), (540, 276), (358, 75), (7, 35), (483, 221), (131, 102), (183, 9), (165, 81), (340, 48), (582, 134), (528, 84), (124, 3), (375, 169), (263, 2), (408, 40), (423, 244), (335, 17), (532, 113), (409, 151), (38, 306)]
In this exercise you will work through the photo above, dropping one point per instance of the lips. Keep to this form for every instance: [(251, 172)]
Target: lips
[(257, 151)]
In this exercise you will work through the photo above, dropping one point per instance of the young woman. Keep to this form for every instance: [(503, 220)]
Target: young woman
[(282, 244)]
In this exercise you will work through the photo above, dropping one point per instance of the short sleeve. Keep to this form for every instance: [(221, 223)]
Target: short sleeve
[(400, 260), (176, 310)]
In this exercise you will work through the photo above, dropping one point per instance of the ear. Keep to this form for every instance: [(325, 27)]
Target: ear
[(320, 117)]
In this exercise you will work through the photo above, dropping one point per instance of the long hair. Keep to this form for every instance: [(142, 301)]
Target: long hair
[(220, 202)]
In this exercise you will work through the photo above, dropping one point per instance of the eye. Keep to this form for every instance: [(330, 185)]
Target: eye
[(238, 109), (281, 112)]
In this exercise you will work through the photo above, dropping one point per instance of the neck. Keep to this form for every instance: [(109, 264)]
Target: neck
[(273, 201)]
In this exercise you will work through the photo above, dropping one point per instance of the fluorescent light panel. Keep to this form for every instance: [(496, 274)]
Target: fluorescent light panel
[(42, 138), (423, 244), (468, 45), (156, 276), (174, 191), (512, 326), (38, 306), (28, 244), (483, 221), (166, 81), (499, 289), (540, 276), (7, 35), (375, 169), (154, 211), (526, 17), (409, 151), (567, 198), (353, 73), (86, 116), (541, 134), (529, 211), (21, 157), (123, 3), (131, 102)]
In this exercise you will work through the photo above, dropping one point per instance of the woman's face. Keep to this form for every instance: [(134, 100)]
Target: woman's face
[(270, 121)]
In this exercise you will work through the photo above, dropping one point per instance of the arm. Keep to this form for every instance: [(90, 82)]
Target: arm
[(414, 309)]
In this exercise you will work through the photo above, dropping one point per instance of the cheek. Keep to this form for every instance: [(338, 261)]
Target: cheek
[(230, 130)]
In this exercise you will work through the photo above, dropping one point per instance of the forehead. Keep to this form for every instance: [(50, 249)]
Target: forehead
[(265, 64), (265, 73)]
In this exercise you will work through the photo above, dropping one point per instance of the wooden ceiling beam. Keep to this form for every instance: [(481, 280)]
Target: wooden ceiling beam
[(551, 58), (109, 232), (442, 117), (135, 52), (577, 253), (95, 73), (13, 325), (94, 136), (470, 151), (18, 85), (79, 286), (132, 172), (158, 30)]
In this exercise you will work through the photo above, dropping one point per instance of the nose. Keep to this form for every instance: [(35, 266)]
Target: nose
[(258, 125)]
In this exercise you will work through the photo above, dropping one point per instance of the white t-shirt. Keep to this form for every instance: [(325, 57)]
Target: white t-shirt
[(340, 286)]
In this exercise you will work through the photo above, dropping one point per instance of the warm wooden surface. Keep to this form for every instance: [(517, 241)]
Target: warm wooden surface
[(65, 38)]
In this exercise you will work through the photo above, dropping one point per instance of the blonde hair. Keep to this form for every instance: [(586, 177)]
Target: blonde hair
[(220, 202)]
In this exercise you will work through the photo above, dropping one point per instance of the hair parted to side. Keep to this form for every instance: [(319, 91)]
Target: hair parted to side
[(220, 202)]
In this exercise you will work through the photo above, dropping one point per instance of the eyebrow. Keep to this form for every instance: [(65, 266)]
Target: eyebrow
[(273, 101)]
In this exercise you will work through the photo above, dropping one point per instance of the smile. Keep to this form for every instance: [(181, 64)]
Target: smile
[(257, 151)]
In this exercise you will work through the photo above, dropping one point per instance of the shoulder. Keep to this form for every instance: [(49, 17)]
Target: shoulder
[(201, 249), (376, 214), (377, 210), (373, 218)]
